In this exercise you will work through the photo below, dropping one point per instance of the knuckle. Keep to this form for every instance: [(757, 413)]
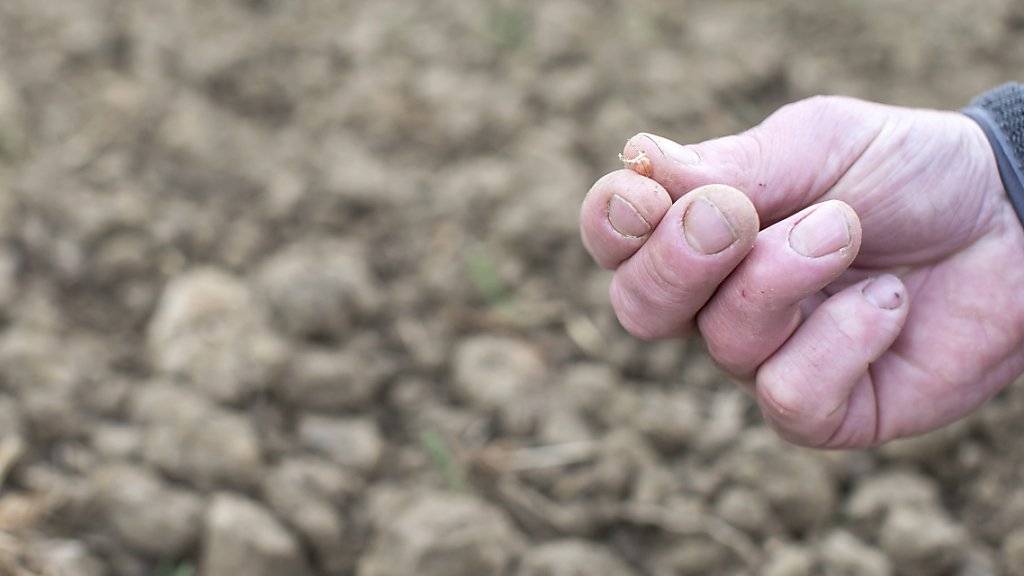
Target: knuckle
[(630, 313), (813, 107), (817, 104), (780, 402), (726, 352), (668, 283), (848, 438), (636, 328), (798, 417)]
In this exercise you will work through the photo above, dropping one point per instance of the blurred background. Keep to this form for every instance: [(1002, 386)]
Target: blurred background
[(295, 287)]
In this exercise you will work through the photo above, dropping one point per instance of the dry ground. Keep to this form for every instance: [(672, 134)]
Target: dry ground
[(294, 287)]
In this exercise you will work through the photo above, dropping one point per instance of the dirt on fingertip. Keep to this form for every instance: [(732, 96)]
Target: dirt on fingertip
[(297, 288)]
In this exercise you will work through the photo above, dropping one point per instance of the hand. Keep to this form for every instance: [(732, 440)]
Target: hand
[(884, 296)]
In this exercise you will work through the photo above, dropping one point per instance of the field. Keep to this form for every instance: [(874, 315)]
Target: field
[(295, 287)]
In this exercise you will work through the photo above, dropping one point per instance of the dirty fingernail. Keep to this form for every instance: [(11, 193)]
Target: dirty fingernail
[(885, 292), (706, 228), (823, 231), (625, 218), (673, 150)]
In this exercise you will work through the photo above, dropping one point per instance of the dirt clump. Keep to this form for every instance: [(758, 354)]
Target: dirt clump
[(244, 538), (436, 534)]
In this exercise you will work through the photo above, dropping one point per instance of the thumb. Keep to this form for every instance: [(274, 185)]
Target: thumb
[(784, 164)]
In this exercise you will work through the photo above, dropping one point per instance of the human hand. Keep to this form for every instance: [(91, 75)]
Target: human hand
[(884, 296)]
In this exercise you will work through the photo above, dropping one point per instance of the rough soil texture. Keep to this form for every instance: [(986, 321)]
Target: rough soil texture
[(294, 287)]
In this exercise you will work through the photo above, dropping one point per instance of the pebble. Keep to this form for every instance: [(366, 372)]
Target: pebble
[(242, 537), (442, 534), (1013, 552), (922, 540), (745, 509), (353, 443), (843, 553), (307, 493), (572, 558), (789, 560), (319, 288), (329, 378), (65, 558), (209, 331), (874, 496), (796, 482), (493, 372), (194, 440), (147, 514)]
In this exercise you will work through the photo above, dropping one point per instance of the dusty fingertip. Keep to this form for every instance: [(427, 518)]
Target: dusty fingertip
[(886, 292), (638, 163)]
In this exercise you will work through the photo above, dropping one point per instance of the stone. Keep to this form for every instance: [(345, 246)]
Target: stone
[(146, 513), (691, 557), (922, 540), (979, 560), (843, 554), (297, 478), (671, 419), (587, 385), (194, 440), (572, 558), (209, 331), (11, 424), (65, 558), (725, 421), (796, 482), (116, 441), (242, 537), (307, 494), (442, 534), (336, 379), (1013, 552), (744, 508), (789, 560), (319, 288), (350, 442), (492, 372), (874, 496)]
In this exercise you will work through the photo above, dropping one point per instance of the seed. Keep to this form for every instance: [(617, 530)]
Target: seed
[(640, 164)]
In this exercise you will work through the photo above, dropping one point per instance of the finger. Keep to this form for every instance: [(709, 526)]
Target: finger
[(701, 239), (759, 306), (784, 164), (817, 390), (619, 213)]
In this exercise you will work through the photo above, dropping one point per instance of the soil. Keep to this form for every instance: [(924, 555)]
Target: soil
[(295, 287)]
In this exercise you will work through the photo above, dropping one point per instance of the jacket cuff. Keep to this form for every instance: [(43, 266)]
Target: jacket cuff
[(1000, 113)]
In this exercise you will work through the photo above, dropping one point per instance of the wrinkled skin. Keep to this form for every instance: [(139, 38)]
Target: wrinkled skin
[(898, 309)]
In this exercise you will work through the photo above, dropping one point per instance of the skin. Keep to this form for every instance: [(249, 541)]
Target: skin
[(908, 312)]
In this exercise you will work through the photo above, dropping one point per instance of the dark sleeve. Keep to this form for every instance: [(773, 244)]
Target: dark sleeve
[(1000, 113)]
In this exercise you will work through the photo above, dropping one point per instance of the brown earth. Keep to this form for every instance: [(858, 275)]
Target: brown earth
[(294, 287)]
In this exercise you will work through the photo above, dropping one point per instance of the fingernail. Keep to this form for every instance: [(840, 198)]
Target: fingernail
[(673, 150), (706, 228), (885, 292), (625, 218), (821, 232)]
